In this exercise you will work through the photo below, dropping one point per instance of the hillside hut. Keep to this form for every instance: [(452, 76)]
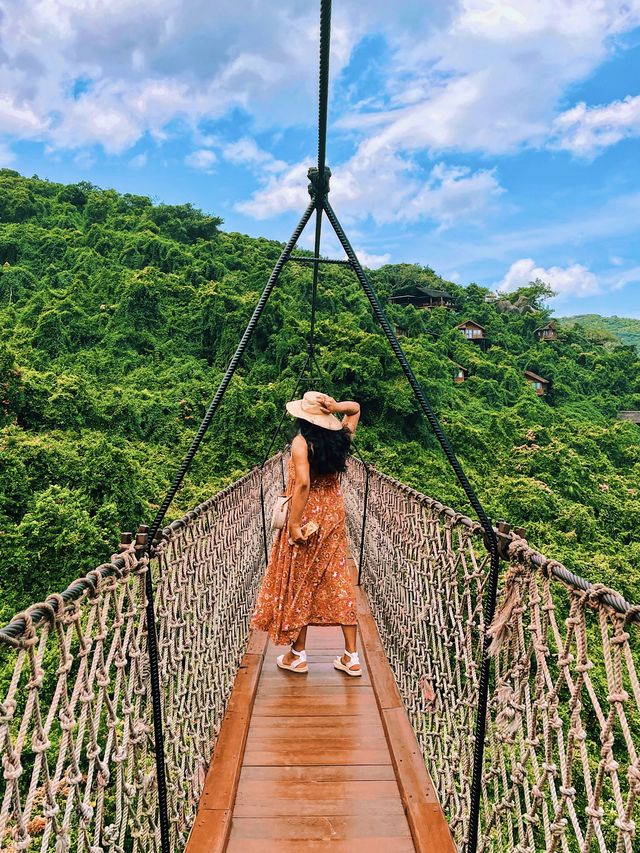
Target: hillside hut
[(471, 330), (547, 333), (539, 384), (634, 417), (424, 297), (460, 373)]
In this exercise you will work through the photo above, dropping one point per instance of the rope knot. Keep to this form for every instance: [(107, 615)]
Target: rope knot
[(626, 826)]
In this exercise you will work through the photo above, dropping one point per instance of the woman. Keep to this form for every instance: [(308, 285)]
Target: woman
[(307, 581)]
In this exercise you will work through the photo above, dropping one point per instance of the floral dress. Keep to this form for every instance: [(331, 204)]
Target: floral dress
[(308, 584)]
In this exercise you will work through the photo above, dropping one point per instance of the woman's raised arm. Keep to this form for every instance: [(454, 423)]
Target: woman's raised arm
[(349, 408)]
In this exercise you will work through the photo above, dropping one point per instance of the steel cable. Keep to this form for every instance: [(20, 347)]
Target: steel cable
[(490, 536)]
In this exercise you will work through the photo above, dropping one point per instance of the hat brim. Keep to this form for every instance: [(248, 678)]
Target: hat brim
[(294, 407)]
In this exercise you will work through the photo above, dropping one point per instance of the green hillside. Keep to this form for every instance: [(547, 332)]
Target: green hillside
[(625, 329), (118, 317)]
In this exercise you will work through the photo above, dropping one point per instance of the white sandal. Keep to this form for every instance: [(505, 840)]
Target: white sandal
[(298, 665), (353, 660)]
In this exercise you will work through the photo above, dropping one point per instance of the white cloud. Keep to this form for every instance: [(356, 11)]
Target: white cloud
[(145, 66), (490, 79), (139, 161), (574, 280), (245, 152), (6, 155), (387, 188), (371, 260), (587, 130), (202, 159), (19, 120), (471, 75)]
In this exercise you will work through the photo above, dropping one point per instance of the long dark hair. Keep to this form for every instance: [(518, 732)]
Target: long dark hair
[(327, 448)]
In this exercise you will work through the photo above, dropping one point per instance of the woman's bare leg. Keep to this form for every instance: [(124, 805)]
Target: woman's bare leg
[(298, 644), (349, 632)]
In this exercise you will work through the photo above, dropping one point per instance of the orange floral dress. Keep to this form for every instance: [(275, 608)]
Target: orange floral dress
[(308, 584)]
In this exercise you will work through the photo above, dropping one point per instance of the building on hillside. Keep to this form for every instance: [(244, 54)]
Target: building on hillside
[(634, 417), (471, 330), (546, 333), (539, 384), (460, 373), (424, 297)]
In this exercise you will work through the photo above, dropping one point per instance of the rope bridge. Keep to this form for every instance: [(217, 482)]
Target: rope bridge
[(561, 767)]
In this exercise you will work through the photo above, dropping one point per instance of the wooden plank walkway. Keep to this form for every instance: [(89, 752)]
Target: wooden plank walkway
[(319, 761)]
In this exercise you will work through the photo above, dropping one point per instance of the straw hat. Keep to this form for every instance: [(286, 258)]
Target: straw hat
[(309, 409)]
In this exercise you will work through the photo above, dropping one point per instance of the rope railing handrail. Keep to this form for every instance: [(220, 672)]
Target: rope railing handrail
[(611, 598), (77, 588), (78, 757), (561, 769), (43, 611)]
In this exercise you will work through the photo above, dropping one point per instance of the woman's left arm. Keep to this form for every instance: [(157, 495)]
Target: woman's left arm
[(300, 457)]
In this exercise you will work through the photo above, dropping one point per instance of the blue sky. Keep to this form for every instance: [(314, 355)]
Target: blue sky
[(494, 141)]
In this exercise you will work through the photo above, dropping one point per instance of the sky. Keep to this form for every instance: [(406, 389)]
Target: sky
[(496, 142)]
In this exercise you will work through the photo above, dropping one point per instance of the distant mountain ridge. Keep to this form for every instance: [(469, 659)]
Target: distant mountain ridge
[(626, 329)]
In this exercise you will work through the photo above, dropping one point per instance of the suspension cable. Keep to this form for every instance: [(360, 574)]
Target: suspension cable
[(323, 84), (152, 637), (490, 536)]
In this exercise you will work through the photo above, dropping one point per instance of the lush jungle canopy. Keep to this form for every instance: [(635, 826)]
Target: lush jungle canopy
[(118, 317)]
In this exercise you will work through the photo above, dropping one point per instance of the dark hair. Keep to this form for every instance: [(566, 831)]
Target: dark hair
[(327, 448)]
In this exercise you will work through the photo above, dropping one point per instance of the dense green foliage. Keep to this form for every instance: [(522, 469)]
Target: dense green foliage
[(118, 317), (624, 329)]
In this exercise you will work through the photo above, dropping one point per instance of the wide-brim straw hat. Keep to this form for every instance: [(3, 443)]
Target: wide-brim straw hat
[(309, 409)]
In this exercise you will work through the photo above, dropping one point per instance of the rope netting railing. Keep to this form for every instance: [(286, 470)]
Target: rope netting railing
[(76, 734), (561, 766)]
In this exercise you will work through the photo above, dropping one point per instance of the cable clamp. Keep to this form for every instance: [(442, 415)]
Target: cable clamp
[(318, 185)]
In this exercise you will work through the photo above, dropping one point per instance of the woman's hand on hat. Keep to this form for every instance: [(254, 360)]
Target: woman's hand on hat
[(328, 404)]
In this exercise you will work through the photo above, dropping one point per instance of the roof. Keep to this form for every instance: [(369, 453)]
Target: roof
[(455, 364), (420, 292), (531, 375), (470, 323), (548, 326), (433, 291)]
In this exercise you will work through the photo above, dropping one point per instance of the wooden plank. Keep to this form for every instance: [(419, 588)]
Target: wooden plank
[(317, 726), (342, 686), (280, 845), (258, 803), (299, 754), (322, 672), (386, 689), (428, 825), (251, 792), (319, 773), (301, 828), (258, 642), (210, 831), (351, 703)]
